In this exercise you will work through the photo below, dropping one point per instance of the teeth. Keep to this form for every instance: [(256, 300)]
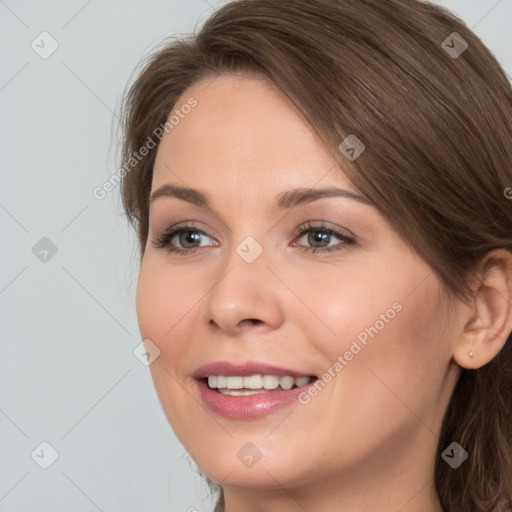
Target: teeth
[(286, 382), (270, 381), (234, 382), (239, 392), (253, 382), (302, 381), (250, 384)]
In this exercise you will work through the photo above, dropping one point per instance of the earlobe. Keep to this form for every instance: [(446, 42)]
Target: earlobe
[(489, 322)]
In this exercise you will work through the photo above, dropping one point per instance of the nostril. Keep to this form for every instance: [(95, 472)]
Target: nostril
[(251, 321)]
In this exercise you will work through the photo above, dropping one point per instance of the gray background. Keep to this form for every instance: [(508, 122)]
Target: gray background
[(68, 375)]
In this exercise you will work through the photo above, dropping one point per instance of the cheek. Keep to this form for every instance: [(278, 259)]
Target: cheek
[(168, 307), (401, 368), (164, 298), (165, 303), (359, 302), (389, 332)]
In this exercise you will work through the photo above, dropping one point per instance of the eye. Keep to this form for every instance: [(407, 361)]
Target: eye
[(322, 239), (183, 240), (186, 239)]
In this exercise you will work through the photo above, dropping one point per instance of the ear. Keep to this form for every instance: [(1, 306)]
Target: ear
[(488, 321)]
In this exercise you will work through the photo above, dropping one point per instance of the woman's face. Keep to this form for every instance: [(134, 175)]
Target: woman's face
[(278, 272)]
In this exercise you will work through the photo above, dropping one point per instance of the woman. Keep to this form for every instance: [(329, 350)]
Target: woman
[(321, 190)]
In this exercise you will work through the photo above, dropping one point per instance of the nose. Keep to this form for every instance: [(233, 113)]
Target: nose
[(247, 297)]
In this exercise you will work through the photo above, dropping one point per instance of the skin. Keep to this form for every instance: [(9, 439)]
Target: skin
[(374, 426)]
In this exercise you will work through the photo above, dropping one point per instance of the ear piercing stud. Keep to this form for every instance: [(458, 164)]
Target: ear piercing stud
[(471, 354)]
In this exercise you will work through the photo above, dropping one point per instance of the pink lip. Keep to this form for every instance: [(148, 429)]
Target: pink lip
[(229, 369), (251, 406)]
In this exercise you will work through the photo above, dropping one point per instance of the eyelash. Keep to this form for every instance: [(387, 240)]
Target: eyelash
[(163, 240)]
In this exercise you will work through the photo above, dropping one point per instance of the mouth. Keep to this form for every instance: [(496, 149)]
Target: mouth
[(238, 385), (249, 391)]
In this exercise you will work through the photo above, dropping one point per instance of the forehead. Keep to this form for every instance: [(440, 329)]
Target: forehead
[(242, 130)]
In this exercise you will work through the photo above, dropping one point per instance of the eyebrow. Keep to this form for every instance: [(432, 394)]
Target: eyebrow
[(284, 201)]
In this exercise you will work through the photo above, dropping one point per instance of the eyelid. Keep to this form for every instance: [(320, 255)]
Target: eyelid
[(163, 240), (345, 240), (323, 225)]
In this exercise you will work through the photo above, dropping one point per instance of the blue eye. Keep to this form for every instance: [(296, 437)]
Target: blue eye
[(183, 240), (322, 239), (186, 240)]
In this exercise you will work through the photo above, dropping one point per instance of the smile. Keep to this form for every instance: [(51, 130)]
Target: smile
[(249, 391), (254, 384)]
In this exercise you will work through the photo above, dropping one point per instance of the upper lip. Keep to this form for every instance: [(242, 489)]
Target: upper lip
[(252, 368)]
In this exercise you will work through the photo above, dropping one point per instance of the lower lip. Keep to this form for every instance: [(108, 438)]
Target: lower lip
[(250, 406)]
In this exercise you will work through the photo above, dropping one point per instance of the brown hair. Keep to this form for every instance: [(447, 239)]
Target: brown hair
[(438, 135)]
